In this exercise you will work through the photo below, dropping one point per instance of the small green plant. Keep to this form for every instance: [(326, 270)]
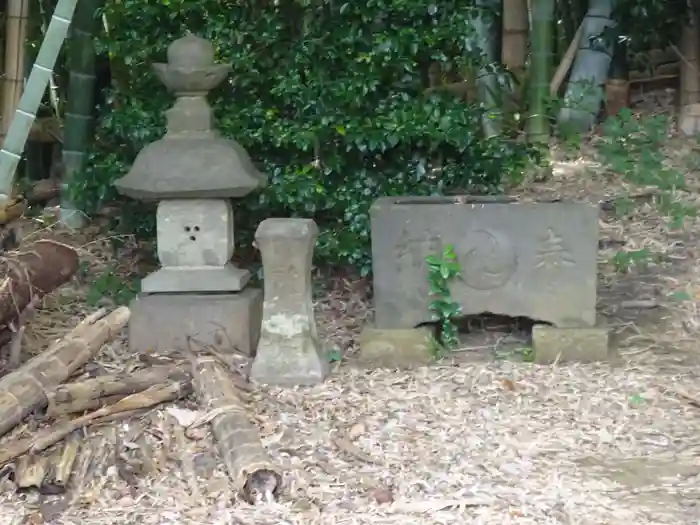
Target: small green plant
[(634, 148), (625, 260), (442, 269), (111, 286)]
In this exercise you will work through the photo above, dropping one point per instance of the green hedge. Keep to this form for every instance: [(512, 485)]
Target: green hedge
[(327, 97)]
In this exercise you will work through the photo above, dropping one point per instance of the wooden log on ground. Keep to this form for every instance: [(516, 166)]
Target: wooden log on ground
[(41, 269), (129, 405), (254, 475), (24, 389), (61, 467), (106, 390), (31, 471)]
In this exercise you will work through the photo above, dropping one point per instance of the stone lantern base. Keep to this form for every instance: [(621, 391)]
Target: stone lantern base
[(165, 322)]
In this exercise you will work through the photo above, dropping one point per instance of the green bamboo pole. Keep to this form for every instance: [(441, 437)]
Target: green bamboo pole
[(79, 106), (541, 59), (487, 26), (585, 91), (21, 125)]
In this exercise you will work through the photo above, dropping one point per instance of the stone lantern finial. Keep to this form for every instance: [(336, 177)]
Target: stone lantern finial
[(192, 160)]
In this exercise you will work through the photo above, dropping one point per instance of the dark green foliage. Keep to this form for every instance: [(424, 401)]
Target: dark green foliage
[(649, 24), (328, 99)]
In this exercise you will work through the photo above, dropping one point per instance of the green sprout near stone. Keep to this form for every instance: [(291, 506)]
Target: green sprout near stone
[(442, 270)]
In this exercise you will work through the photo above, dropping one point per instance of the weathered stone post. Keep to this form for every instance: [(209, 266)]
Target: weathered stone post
[(289, 352), (194, 172)]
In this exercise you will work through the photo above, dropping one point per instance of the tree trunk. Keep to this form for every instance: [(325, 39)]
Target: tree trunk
[(25, 389), (540, 70), (80, 105), (23, 118), (515, 26), (689, 111), (585, 91), (41, 269), (487, 26)]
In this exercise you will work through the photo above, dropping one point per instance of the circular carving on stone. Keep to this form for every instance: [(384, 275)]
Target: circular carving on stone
[(488, 259)]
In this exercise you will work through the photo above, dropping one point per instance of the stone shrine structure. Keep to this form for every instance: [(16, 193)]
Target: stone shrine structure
[(529, 259), (194, 172), (289, 352)]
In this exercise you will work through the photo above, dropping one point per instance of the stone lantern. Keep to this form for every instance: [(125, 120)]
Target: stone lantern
[(193, 172)]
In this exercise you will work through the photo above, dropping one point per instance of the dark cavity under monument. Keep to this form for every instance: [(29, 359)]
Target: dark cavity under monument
[(520, 259)]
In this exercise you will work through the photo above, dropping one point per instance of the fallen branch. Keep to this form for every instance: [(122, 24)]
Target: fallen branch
[(254, 475), (23, 390), (96, 392), (135, 402), (41, 269)]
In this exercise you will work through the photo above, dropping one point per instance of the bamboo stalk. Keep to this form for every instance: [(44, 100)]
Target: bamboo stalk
[(25, 114), (537, 125), (15, 38), (80, 105), (515, 27)]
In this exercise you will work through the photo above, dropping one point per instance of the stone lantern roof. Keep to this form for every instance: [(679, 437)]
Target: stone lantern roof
[(192, 160)]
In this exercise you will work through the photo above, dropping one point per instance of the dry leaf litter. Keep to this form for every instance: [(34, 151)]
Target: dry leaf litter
[(495, 443)]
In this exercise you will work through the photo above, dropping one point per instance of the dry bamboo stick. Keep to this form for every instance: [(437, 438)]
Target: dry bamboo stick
[(23, 390), (135, 402), (566, 61), (108, 389)]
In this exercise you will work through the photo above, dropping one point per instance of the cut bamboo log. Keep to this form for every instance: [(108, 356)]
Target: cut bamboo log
[(41, 269), (254, 475), (106, 390), (24, 389), (61, 467), (129, 405), (31, 471)]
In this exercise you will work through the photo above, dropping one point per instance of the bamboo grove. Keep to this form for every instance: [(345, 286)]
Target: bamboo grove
[(338, 102)]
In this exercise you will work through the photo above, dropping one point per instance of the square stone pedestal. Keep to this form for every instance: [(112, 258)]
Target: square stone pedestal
[(226, 278), (395, 347), (583, 345), (163, 321)]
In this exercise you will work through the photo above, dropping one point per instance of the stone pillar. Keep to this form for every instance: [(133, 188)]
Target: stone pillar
[(288, 352)]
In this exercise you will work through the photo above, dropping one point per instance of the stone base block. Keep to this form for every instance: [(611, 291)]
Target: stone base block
[(584, 345), (289, 353), (395, 347), (172, 279), (163, 322)]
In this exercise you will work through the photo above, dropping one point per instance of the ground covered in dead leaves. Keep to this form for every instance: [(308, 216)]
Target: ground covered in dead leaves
[(493, 444), (487, 443)]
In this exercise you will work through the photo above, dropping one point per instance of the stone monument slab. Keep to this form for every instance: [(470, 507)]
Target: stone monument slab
[(530, 259), (289, 352), (164, 321)]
